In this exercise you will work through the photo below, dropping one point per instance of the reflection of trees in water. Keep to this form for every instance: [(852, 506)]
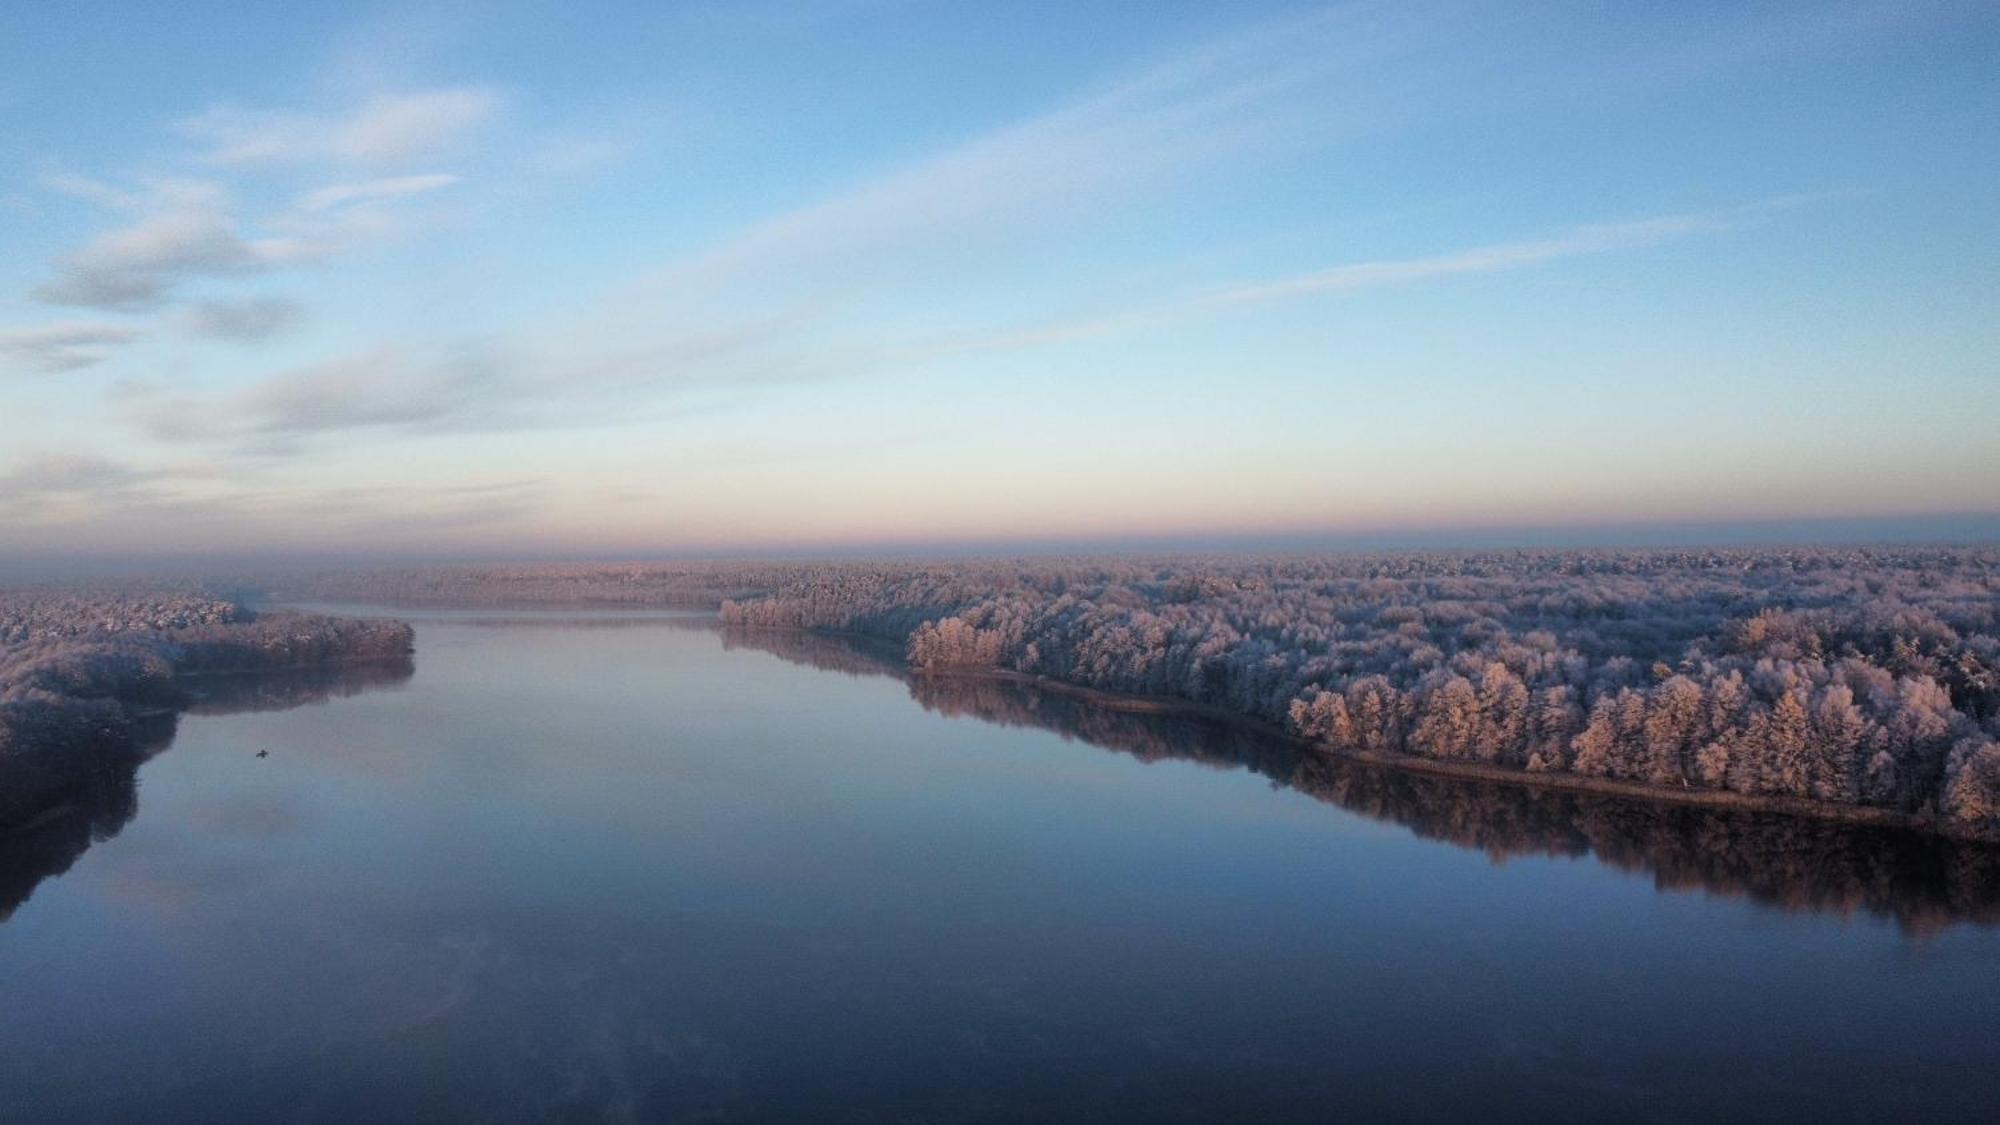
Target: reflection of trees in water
[(105, 802), (1147, 736), (107, 797), (283, 689), (853, 656), (1924, 882)]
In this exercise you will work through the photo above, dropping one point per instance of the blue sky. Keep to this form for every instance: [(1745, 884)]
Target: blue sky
[(625, 279)]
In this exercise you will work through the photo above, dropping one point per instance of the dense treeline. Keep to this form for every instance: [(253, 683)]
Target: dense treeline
[(79, 671), (1867, 678), (1853, 677), (1926, 883), (702, 585)]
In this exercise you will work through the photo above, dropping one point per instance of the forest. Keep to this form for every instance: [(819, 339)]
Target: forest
[(83, 672), (1825, 679), (1864, 678), (1857, 678)]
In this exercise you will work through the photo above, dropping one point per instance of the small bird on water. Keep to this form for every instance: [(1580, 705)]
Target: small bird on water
[(263, 753)]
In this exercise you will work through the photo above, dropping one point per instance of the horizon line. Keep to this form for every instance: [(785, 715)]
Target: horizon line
[(1969, 530)]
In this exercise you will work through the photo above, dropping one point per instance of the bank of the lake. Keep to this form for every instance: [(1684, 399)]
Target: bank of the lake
[(89, 681), (888, 652)]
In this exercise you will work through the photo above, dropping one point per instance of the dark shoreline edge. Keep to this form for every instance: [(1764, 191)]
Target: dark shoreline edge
[(55, 767), (1551, 780), (1708, 798)]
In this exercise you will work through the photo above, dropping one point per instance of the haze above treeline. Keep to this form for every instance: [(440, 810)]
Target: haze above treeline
[(22, 562)]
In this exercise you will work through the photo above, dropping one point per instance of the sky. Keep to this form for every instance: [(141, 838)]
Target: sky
[(561, 280)]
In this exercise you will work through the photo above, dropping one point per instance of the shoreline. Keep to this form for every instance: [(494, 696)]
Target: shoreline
[(1474, 771), (890, 654), (60, 742), (128, 745)]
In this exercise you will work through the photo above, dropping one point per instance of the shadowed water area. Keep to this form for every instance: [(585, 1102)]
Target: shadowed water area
[(643, 868)]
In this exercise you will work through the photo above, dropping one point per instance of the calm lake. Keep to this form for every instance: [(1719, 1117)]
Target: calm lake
[(622, 868)]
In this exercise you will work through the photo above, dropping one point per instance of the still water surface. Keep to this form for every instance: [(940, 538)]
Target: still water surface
[(642, 869)]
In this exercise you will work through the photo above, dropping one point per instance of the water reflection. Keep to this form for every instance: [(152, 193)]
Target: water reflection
[(48, 845), (284, 689), (1924, 883), (853, 656)]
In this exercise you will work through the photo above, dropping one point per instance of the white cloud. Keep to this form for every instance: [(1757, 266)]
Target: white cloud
[(185, 229), (91, 191), (245, 321), (181, 229), (1094, 152), (560, 379), (398, 127), (64, 346), (137, 266), (45, 481), (385, 128), (1355, 277), (549, 381), (65, 472), (394, 187), (1595, 239), (654, 346), (381, 388)]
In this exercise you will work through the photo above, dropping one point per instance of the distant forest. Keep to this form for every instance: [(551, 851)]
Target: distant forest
[(1857, 677), (82, 672)]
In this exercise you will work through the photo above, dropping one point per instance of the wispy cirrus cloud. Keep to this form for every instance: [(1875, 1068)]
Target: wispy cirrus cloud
[(247, 321), (370, 191), (1579, 241), (532, 384), (385, 128), (63, 346), (92, 190), (1598, 238), (186, 503), (380, 388), (1582, 240), (501, 386), (1271, 86), (754, 309), (762, 305), (180, 230), (39, 482), (187, 230)]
